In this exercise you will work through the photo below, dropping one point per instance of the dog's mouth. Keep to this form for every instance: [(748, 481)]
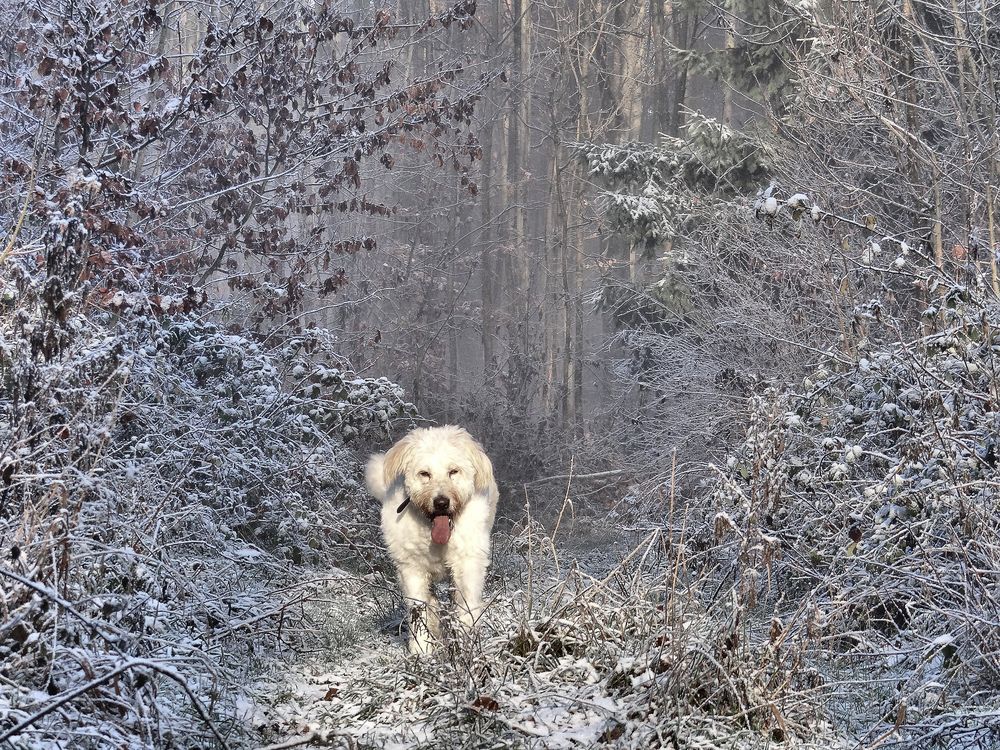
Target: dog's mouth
[(441, 528)]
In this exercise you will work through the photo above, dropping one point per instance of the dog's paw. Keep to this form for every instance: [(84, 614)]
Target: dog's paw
[(469, 617), (421, 646)]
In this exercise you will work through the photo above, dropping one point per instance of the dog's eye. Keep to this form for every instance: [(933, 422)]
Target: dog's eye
[(424, 474), (453, 472)]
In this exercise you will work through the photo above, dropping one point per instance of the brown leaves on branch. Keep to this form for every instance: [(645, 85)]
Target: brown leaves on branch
[(349, 247), (155, 304), (334, 283), (218, 157)]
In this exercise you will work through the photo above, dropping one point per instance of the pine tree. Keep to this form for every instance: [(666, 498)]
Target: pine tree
[(655, 193)]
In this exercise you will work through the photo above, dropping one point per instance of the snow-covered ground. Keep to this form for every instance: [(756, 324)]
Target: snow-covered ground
[(580, 651)]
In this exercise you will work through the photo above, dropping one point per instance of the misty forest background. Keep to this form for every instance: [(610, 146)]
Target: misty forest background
[(715, 283)]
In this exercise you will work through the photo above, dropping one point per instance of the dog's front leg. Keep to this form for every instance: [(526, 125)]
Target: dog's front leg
[(470, 577), (423, 608)]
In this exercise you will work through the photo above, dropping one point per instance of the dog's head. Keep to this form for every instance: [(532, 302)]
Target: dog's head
[(441, 469)]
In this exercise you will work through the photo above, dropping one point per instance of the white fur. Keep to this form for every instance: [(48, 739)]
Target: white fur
[(428, 462)]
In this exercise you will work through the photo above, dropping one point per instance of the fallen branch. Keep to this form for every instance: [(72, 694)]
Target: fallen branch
[(596, 475)]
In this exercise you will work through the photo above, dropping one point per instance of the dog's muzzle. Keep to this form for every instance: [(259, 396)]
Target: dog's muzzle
[(441, 521), (441, 505)]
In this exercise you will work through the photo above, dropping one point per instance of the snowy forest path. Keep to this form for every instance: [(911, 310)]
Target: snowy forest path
[(505, 685)]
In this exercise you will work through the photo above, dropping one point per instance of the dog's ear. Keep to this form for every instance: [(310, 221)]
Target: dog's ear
[(394, 462), (484, 469)]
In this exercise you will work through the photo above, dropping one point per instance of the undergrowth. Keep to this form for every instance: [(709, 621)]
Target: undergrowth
[(649, 651)]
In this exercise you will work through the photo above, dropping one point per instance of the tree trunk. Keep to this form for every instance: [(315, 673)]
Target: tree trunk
[(681, 30)]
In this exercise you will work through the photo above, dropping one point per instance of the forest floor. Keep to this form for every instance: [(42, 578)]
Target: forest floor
[(362, 689), (573, 651)]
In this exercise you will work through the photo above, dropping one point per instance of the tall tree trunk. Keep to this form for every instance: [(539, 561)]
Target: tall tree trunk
[(728, 107), (656, 109), (550, 289), (487, 269), (681, 31), (578, 352), (487, 266), (513, 176)]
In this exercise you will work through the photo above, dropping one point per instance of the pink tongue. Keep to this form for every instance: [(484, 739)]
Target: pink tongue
[(441, 529)]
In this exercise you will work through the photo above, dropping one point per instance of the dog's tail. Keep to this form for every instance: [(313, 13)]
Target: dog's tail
[(375, 475)]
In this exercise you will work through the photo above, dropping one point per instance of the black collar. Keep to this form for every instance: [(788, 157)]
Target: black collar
[(402, 505)]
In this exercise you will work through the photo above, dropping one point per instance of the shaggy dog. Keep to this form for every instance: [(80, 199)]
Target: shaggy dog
[(439, 500)]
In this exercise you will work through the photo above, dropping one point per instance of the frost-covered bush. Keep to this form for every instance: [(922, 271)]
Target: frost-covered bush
[(255, 434), (869, 502), (155, 471)]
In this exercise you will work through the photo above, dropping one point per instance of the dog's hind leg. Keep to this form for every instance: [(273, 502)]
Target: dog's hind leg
[(469, 580), (423, 608)]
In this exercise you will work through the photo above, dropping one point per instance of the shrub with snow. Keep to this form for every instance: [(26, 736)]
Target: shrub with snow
[(864, 512), (162, 480)]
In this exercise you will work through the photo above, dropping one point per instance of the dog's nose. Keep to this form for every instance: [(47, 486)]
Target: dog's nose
[(440, 504)]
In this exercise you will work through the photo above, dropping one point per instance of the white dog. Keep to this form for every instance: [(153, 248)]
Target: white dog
[(439, 500)]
